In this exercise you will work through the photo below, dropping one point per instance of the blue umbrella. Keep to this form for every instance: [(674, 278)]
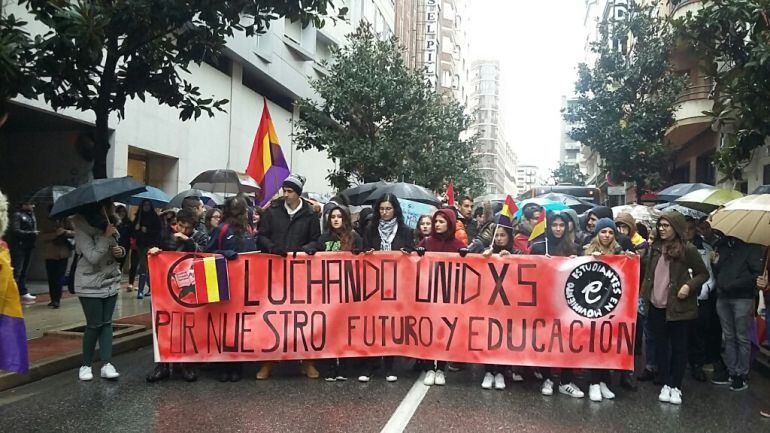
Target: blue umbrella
[(156, 196), (542, 202)]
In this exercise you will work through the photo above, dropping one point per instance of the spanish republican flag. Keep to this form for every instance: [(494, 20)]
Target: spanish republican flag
[(211, 280), (539, 228), (13, 334), (506, 215), (266, 164)]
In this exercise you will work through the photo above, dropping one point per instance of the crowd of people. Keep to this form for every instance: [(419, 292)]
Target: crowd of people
[(698, 296)]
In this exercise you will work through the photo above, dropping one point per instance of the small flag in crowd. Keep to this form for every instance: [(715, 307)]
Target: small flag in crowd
[(506, 215), (266, 164), (450, 194), (211, 280), (13, 334), (539, 228)]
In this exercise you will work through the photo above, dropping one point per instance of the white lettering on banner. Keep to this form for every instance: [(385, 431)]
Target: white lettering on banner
[(431, 43)]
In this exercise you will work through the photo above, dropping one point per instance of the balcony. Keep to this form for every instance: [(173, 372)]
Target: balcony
[(680, 8), (689, 118)]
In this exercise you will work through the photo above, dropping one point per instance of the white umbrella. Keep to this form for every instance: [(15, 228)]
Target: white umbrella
[(638, 211)]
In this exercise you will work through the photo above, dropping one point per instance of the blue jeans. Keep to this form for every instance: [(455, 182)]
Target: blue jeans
[(736, 316), (650, 363)]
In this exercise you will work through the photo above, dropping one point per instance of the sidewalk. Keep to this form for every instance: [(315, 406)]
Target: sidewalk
[(54, 336)]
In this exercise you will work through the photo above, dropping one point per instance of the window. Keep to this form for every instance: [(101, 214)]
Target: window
[(446, 45), (446, 79), (293, 30), (766, 175)]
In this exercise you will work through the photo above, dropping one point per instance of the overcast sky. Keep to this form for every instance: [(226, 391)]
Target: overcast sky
[(538, 45)]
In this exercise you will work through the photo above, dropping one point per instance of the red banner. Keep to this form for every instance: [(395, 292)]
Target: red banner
[(518, 310)]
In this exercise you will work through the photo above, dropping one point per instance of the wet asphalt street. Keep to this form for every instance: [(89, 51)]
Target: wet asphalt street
[(290, 403)]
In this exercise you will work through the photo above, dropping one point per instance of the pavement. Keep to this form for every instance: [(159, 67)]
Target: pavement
[(290, 403)]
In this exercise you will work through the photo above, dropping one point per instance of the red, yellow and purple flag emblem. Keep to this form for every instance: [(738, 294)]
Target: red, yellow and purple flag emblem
[(211, 280)]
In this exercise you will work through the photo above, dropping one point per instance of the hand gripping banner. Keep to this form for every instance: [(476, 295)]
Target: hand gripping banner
[(517, 310)]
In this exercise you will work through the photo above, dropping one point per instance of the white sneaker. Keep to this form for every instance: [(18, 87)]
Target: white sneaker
[(440, 378), (85, 373), (571, 390), (516, 377), (28, 299), (488, 381), (676, 396), (363, 378), (547, 388), (606, 392), (665, 394), (499, 381), (594, 393), (109, 372), (430, 378), (391, 378)]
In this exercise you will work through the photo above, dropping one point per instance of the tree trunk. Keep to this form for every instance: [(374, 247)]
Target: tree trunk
[(101, 144), (102, 110)]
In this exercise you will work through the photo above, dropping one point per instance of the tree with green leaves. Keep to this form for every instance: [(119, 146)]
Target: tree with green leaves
[(378, 120), (98, 54), (732, 39), (568, 173), (626, 100), (16, 62)]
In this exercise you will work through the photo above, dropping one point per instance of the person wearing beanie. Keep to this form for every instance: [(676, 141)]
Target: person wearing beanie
[(593, 216), (603, 243), (290, 225), (627, 226), (672, 280)]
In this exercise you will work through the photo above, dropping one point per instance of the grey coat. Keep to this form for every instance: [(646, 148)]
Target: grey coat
[(97, 274)]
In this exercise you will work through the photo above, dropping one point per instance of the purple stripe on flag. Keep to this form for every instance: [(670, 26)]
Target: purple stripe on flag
[(13, 345), (272, 182), (222, 280)]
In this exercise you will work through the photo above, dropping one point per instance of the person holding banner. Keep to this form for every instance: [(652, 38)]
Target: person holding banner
[(503, 246), (386, 232), (185, 239), (228, 239), (290, 224), (673, 278), (441, 240), (604, 243), (97, 281), (558, 241), (338, 236)]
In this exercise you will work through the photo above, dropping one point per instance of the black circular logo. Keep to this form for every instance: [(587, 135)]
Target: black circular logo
[(593, 289)]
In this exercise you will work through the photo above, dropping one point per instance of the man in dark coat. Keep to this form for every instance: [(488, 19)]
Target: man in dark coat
[(290, 225), (22, 237)]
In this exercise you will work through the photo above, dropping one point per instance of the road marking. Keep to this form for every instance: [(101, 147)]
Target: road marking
[(404, 412)]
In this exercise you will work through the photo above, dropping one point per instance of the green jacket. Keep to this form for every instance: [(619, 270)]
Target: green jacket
[(688, 270)]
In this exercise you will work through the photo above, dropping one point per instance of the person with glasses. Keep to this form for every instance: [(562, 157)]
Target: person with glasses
[(386, 232), (674, 274)]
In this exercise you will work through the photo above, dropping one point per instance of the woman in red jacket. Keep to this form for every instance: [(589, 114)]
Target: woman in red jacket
[(441, 239)]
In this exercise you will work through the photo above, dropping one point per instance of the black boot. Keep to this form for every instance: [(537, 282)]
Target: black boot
[(160, 372), (698, 373), (224, 373), (189, 373), (628, 381), (647, 375), (235, 372)]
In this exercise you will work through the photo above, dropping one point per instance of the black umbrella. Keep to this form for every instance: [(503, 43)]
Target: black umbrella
[(405, 191), (49, 194), (762, 189), (675, 191), (94, 192), (579, 205), (357, 195), (225, 181), (208, 198)]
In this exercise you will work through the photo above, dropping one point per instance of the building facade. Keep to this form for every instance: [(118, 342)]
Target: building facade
[(569, 149), (157, 148), (497, 160), (527, 177)]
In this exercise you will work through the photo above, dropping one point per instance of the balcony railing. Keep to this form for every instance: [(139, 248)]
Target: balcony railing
[(696, 92)]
